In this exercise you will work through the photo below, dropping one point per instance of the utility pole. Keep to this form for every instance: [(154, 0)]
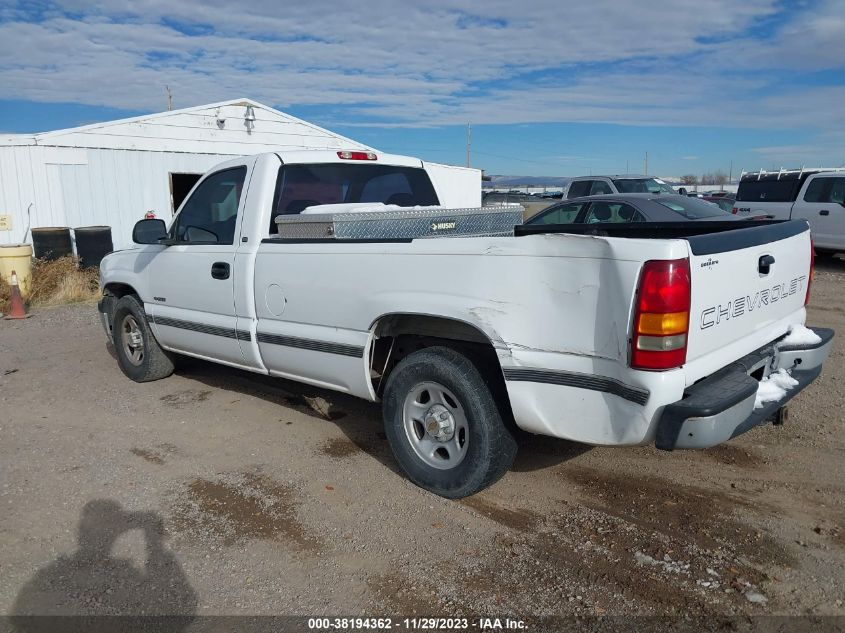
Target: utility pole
[(731, 172), (645, 165), (169, 98), (469, 142), (626, 167)]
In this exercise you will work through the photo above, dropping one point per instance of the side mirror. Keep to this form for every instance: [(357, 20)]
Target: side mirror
[(149, 231)]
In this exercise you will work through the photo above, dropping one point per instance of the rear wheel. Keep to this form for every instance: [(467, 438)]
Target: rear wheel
[(139, 355), (444, 425)]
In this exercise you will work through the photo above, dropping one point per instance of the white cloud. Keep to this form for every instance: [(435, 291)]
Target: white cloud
[(398, 64)]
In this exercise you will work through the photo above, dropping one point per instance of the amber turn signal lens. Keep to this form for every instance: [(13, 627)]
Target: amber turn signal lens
[(663, 324)]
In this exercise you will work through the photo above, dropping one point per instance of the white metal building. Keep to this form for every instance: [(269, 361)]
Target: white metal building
[(112, 173)]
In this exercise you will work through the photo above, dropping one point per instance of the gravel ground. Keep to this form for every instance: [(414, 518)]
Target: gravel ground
[(221, 492)]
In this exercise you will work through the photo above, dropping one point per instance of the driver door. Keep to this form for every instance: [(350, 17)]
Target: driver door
[(822, 206), (192, 278)]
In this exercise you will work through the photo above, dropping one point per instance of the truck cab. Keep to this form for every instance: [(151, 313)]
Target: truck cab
[(817, 196)]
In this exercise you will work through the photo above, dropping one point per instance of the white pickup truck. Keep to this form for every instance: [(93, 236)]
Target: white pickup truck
[(603, 334), (814, 195)]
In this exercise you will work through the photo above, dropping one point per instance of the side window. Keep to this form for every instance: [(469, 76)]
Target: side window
[(552, 216), (569, 212), (615, 212), (562, 214), (579, 188), (210, 214), (837, 191), (817, 190), (599, 188)]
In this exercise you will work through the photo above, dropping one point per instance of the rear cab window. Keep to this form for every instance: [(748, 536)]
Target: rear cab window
[(305, 185), (768, 190)]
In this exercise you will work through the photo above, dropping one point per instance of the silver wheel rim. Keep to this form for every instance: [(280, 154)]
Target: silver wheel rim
[(436, 425), (133, 341)]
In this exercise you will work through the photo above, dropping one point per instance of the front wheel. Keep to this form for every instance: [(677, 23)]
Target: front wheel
[(139, 355), (444, 425)]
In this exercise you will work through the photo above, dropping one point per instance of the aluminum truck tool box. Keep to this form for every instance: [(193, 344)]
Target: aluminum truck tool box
[(398, 224)]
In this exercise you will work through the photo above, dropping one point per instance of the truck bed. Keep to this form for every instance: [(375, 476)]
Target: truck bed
[(740, 232)]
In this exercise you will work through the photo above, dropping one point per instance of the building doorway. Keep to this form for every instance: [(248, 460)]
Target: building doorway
[(180, 187)]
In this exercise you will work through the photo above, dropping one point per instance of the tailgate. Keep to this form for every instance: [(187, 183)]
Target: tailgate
[(747, 287)]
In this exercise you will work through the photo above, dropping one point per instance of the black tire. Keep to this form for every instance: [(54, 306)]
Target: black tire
[(147, 362), (491, 446)]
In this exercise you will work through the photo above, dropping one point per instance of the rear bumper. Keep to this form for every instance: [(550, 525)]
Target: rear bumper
[(722, 406)]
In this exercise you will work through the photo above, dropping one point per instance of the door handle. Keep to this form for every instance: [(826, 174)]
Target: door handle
[(765, 264), (220, 270), (824, 212)]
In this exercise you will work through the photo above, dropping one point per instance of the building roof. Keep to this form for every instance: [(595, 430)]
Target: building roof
[(218, 128)]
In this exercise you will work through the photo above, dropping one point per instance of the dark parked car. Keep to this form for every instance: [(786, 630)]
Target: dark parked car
[(630, 207)]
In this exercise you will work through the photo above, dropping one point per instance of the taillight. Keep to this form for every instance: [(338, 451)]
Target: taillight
[(812, 270), (357, 155), (661, 319), (734, 210)]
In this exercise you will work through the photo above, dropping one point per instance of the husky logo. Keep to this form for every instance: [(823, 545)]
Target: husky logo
[(443, 226), (746, 304)]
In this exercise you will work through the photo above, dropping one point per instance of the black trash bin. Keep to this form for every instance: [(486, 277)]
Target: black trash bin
[(51, 242), (92, 244)]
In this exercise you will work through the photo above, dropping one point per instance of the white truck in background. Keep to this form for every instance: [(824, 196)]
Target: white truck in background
[(814, 195), (607, 334)]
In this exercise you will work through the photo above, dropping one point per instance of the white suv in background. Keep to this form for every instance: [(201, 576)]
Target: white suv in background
[(620, 183), (817, 196)]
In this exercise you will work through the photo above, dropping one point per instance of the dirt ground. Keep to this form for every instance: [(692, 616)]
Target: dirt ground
[(216, 491)]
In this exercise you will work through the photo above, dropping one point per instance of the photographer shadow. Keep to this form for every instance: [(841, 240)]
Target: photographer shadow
[(74, 592)]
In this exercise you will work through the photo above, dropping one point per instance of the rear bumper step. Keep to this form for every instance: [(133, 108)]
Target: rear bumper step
[(721, 406)]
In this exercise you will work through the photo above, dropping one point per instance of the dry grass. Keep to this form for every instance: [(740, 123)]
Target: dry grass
[(57, 282), (4, 296)]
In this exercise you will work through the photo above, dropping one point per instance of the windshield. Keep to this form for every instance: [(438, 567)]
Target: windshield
[(691, 208), (642, 185), (302, 186)]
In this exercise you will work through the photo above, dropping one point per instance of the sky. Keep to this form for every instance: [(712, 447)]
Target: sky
[(549, 88)]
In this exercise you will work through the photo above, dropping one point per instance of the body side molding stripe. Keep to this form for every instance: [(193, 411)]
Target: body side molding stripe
[(310, 344), (580, 381), (214, 330)]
